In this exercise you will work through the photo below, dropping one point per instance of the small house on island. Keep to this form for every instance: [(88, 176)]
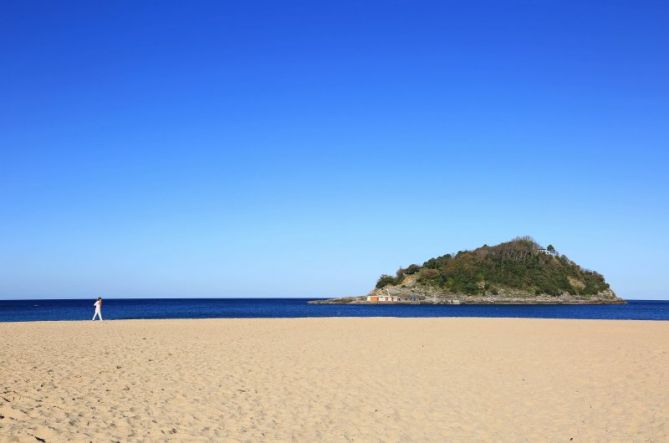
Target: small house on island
[(385, 298), (550, 250)]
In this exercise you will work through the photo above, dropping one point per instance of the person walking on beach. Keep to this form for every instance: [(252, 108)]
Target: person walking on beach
[(98, 308)]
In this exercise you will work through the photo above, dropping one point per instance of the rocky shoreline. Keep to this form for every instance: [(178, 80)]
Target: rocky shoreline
[(472, 301), (423, 296)]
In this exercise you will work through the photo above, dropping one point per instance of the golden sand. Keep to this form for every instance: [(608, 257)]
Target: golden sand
[(365, 379)]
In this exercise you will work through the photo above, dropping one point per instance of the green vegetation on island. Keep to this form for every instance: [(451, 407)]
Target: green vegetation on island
[(519, 264), (518, 271)]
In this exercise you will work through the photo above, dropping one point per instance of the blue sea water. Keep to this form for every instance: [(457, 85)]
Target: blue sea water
[(116, 309)]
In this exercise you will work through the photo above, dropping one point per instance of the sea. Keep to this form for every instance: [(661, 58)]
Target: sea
[(156, 308)]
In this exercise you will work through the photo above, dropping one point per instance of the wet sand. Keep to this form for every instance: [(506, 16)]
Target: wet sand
[(335, 379)]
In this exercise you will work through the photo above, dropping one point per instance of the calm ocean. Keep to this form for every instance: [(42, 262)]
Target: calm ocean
[(116, 309)]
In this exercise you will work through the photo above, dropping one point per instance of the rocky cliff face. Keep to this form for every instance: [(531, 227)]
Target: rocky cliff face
[(413, 292)]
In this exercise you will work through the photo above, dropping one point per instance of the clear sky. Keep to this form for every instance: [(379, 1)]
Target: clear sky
[(300, 149)]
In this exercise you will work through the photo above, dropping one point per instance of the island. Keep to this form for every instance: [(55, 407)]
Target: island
[(519, 271)]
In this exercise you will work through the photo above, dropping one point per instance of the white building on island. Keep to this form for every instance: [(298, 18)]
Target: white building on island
[(550, 251), (388, 298), (383, 298)]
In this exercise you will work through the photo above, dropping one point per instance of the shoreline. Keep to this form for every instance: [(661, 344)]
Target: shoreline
[(380, 317)]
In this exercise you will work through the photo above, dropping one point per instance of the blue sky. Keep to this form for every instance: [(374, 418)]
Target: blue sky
[(301, 149)]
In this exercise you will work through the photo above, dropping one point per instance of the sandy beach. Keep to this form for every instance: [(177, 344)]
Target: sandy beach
[(346, 379)]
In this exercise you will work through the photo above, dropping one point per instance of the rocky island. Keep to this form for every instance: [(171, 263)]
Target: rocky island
[(516, 272)]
